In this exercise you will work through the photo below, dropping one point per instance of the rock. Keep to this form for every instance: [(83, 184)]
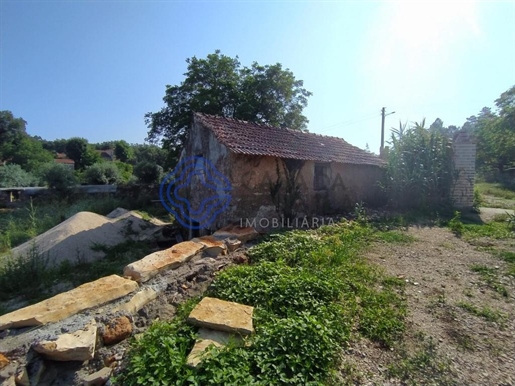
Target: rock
[(240, 259), (221, 315), (212, 246), (146, 268), (236, 232), (117, 330), (3, 361), (11, 381), (8, 371), (79, 346), (69, 303), (22, 377), (232, 244), (99, 378), (137, 302), (207, 337)]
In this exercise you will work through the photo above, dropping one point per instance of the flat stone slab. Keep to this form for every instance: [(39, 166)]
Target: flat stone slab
[(148, 267), (207, 337), (99, 378), (236, 232), (69, 303), (221, 315), (78, 346), (137, 302), (212, 246)]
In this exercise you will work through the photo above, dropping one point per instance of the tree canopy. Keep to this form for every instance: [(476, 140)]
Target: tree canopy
[(219, 85), (495, 132)]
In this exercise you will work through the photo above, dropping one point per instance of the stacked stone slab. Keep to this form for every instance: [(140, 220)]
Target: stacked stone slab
[(220, 322), (225, 321)]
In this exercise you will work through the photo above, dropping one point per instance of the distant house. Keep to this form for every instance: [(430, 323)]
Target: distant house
[(296, 172), (62, 159), (107, 154)]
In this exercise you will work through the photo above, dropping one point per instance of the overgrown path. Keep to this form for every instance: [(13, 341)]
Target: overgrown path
[(461, 303)]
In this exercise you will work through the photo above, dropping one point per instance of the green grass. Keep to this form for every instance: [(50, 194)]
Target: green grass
[(394, 236), (489, 275), (494, 230), (310, 290), (484, 312), (423, 367), (496, 190)]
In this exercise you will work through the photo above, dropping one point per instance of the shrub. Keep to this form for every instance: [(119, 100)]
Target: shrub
[(148, 173), (58, 177), (456, 225), (125, 169), (12, 175), (102, 173), (420, 171)]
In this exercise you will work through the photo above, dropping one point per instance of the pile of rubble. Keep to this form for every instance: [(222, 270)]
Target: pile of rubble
[(79, 337)]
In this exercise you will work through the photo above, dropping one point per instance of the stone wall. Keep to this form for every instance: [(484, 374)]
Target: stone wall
[(251, 178), (464, 146)]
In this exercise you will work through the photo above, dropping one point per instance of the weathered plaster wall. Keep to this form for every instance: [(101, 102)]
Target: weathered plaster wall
[(346, 184), (251, 178)]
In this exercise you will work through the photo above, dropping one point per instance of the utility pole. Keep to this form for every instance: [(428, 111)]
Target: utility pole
[(383, 114)]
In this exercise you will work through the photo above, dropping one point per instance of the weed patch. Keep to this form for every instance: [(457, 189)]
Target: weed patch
[(485, 312), (310, 289), (424, 367), (489, 275)]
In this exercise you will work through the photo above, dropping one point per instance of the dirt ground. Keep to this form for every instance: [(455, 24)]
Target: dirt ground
[(438, 275)]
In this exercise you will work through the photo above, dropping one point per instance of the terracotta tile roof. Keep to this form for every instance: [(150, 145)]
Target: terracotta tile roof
[(257, 139)]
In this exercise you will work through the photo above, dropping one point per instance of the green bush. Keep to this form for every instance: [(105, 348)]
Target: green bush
[(456, 225), (58, 177), (12, 175), (102, 173), (277, 288), (148, 172), (420, 171), (126, 171), (309, 291)]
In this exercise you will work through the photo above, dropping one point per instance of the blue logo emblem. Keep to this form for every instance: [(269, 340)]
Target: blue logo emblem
[(194, 174)]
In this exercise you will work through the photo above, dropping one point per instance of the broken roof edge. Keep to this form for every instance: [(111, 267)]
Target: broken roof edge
[(293, 131), (212, 122)]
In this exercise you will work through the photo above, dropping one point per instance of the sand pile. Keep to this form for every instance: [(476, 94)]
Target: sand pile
[(72, 239)]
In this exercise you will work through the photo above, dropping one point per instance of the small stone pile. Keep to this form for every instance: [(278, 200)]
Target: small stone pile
[(68, 331)]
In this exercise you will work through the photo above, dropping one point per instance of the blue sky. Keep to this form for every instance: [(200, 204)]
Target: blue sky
[(94, 68)]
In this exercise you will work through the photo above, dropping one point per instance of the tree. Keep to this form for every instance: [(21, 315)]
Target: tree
[(56, 146), (126, 171), (81, 152), (271, 95), (13, 175), (148, 173), (150, 153), (11, 129), (30, 154), (102, 173), (123, 151), (495, 132), (59, 177), (218, 85)]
